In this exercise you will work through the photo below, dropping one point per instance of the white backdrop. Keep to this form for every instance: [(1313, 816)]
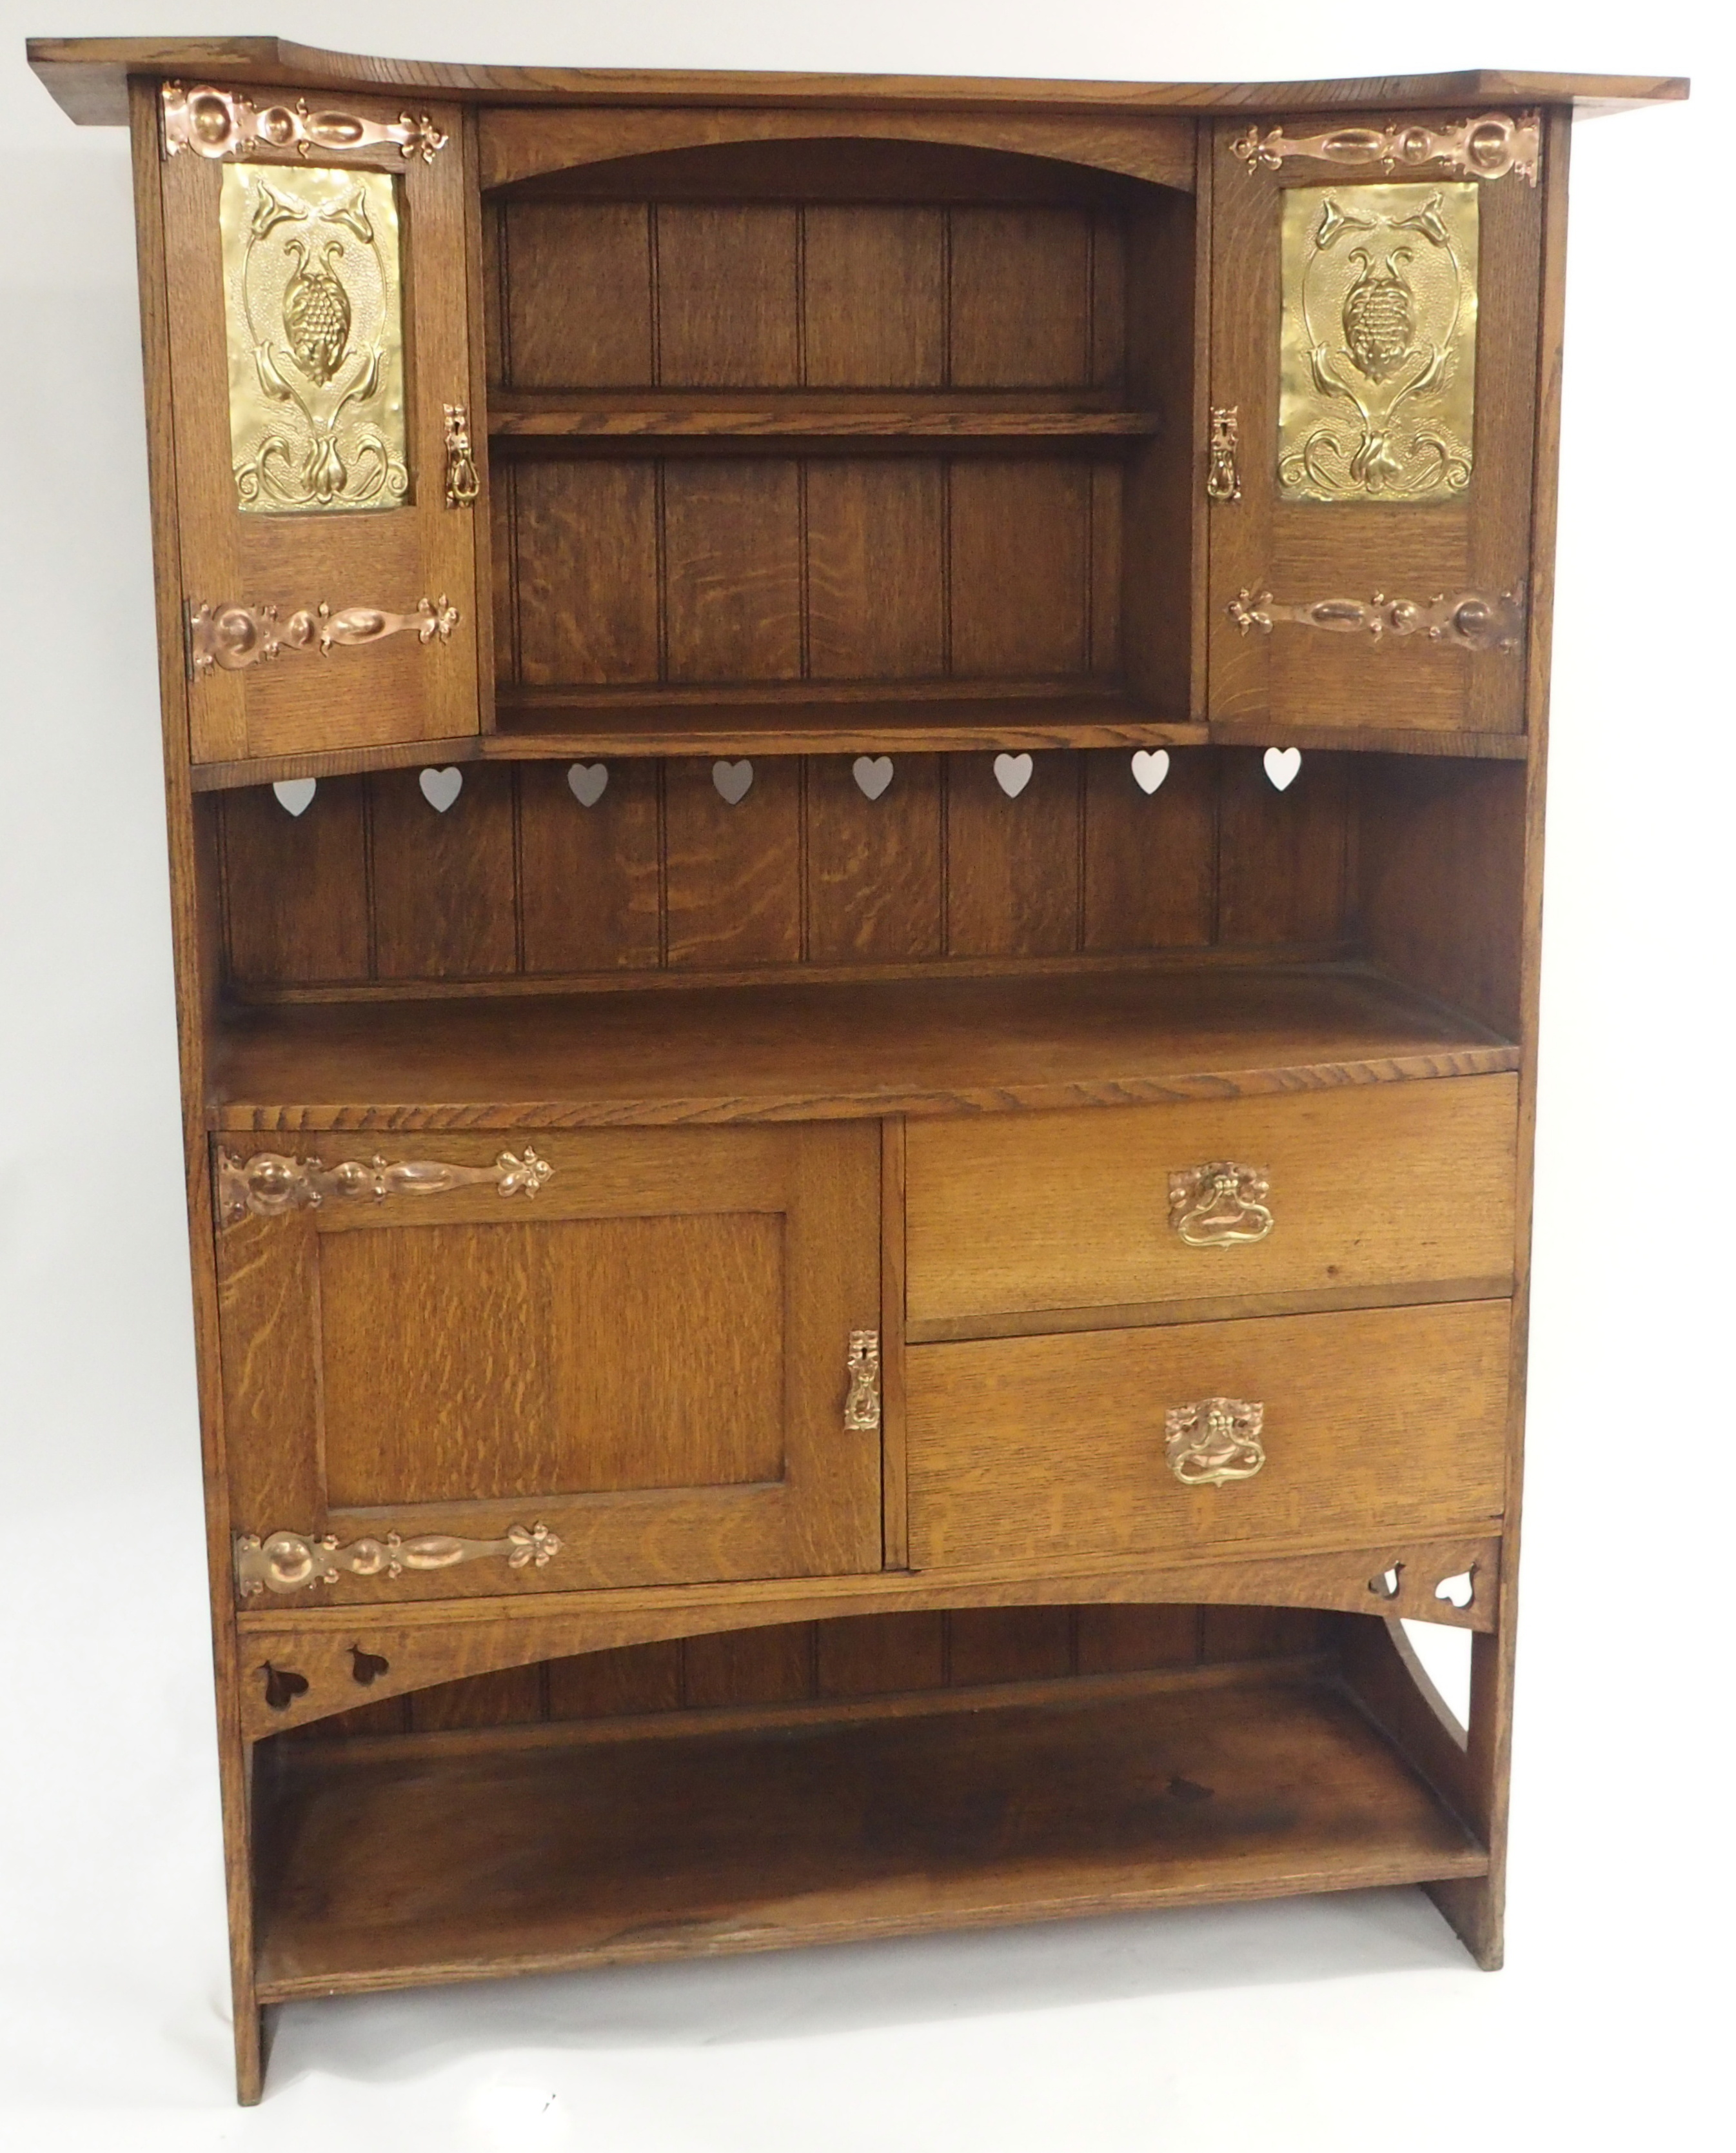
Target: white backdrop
[(1325, 2024)]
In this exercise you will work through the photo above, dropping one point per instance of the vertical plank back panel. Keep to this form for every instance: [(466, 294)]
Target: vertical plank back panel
[(585, 587), (577, 308), (733, 542), (295, 885), (590, 876), (728, 308), (1019, 566), (1150, 860), (1012, 864), (734, 873), (438, 879), (876, 568), (873, 866), (1283, 857), (1022, 297), (874, 297)]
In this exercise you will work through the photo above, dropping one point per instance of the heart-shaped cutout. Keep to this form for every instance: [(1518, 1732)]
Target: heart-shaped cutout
[(1151, 767), (1281, 766), (872, 773), (1012, 773), (732, 780), (587, 781), (295, 794), (441, 787)]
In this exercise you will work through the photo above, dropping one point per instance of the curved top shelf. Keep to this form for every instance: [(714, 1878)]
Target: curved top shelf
[(87, 78)]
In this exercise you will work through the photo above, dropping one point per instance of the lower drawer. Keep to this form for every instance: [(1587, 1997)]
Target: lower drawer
[(1324, 1429)]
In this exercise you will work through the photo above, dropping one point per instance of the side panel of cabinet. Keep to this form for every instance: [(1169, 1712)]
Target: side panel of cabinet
[(1423, 295), (647, 1355), (319, 326)]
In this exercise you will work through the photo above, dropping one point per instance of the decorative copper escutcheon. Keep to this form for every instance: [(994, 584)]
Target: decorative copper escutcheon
[(1213, 1441), (1220, 1205)]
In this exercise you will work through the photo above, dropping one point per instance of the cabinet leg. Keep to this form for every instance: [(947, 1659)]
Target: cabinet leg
[(253, 2046), (1472, 1909)]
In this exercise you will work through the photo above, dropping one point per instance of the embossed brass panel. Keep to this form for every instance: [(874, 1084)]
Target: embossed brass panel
[(313, 293), (1379, 346)]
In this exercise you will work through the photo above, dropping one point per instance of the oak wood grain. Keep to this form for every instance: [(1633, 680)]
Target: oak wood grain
[(801, 1052)]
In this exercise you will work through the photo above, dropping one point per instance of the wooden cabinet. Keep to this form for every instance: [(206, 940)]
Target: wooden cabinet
[(854, 776)]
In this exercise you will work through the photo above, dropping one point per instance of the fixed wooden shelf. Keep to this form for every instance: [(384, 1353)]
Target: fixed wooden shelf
[(811, 1051), (445, 1858), (856, 416), (809, 717)]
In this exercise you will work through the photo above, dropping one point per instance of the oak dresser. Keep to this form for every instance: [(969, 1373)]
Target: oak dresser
[(854, 776)]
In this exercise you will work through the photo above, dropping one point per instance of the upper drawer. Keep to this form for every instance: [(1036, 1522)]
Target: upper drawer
[(1375, 1185)]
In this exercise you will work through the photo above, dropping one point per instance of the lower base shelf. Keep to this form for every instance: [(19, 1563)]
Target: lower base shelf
[(397, 1862)]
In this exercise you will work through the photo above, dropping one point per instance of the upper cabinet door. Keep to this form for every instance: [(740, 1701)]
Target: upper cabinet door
[(1374, 356), (319, 285)]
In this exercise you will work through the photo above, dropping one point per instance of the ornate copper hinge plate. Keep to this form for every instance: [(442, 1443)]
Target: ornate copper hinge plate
[(1486, 148), (1472, 620), (271, 1182), (221, 123), (294, 1562), (234, 637)]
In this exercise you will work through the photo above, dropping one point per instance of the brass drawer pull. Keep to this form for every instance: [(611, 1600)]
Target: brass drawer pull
[(1220, 1205), (1215, 1440), (862, 1408)]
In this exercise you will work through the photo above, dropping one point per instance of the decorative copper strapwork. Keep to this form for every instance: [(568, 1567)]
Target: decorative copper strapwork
[(271, 1182)]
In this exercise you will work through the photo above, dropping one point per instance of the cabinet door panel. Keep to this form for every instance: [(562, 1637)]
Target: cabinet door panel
[(318, 324), (647, 1355), (1375, 336)]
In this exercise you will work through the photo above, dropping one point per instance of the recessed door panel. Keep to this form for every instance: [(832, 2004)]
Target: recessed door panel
[(469, 1363)]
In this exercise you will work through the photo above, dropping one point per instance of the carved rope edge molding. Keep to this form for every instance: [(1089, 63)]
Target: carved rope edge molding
[(271, 1182), (1486, 148), (235, 637), (292, 1562), (221, 123), (1470, 621)]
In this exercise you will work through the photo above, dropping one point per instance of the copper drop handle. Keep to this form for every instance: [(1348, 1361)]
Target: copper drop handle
[(1214, 1440), (1223, 475), (862, 1405), (463, 483)]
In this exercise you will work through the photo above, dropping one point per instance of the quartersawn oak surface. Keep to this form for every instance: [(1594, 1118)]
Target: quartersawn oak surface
[(425, 1864), (814, 1051), (87, 78)]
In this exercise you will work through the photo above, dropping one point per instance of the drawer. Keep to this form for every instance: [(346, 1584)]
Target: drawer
[(1372, 1422), (1372, 1186)]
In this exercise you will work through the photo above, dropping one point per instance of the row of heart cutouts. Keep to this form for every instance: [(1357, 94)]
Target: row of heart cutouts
[(872, 773)]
